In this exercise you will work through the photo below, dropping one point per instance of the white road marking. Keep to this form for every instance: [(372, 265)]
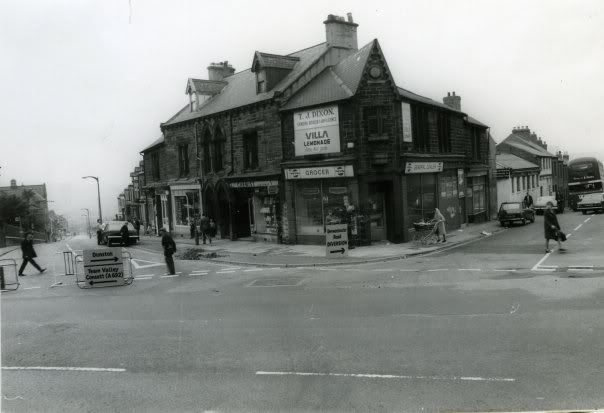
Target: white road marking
[(254, 270), (385, 376), (506, 270), (96, 369), (31, 288), (170, 275), (568, 236), (587, 220), (149, 251), (515, 308), (548, 266), (438, 269), (143, 278), (225, 272), (535, 268), (469, 269), (138, 266), (408, 270), (576, 229), (383, 270)]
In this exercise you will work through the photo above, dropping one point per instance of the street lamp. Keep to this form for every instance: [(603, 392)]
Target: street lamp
[(87, 215), (98, 189)]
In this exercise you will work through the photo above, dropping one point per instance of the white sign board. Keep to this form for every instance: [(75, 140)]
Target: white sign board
[(407, 131), (336, 240), (103, 267), (423, 167), (317, 131), (320, 172)]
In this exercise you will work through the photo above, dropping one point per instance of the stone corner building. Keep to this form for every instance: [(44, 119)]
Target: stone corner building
[(322, 135)]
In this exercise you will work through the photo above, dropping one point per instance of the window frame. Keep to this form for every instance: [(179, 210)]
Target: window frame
[(250, 150)]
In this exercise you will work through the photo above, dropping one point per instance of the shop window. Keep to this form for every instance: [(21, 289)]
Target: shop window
[(444, 132), (155, 165), (207, 160), (419, 124), (374, 120), (476, 137), (250, 150), (183, 159), (321, 203), (186, 206), (421, 196)]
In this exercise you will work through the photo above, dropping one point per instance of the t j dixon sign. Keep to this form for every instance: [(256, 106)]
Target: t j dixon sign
[(317, 131)]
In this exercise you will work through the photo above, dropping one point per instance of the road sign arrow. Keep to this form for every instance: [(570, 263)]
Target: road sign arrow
[(114, 259), (101, 282), (341, 251)]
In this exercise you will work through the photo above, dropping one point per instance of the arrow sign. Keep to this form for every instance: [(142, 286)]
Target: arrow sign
[(340, 251), (336, 239), (101, 282), (114, 259)]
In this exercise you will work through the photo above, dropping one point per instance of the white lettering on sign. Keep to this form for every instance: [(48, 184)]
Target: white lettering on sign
[(317, 131), (336, 240), (323, 172), (423, 167)]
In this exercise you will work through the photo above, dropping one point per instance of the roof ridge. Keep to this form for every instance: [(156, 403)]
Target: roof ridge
[(306, 48)]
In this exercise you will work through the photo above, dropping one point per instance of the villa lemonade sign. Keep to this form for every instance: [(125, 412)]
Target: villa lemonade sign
[(317, 131)]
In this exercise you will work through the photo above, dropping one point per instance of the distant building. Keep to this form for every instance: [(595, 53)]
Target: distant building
[(36, 218), (515, 178)]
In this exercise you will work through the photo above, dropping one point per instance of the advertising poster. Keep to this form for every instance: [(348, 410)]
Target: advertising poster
[(317, 131)]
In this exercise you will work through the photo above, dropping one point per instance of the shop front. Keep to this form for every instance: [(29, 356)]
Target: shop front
[(476, 197), (185, 203), (322, 195), (255, 209)]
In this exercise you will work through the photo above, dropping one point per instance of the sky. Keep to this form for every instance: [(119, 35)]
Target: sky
[(85, 84)]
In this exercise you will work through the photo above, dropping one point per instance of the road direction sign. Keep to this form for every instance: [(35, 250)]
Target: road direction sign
[(336, 240), (103, 267)]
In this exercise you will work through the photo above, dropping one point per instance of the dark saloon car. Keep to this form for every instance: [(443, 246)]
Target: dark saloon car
[(515, 212), (111, 233), (591, 202)]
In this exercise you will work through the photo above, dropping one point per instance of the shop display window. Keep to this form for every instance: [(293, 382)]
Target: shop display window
[(186, 206), (421, 196)]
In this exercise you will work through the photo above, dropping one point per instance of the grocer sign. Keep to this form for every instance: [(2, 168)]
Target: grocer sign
[(317, 131), (320, 172), (423, 167)]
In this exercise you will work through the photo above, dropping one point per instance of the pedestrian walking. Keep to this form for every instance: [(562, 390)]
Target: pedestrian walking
[(169, 249), (125, 234), (440, 225), (27, 247), (137, 226), (99, 232), (192, 227), (528, 200), (204, 224), (551, 227), (211, 230)]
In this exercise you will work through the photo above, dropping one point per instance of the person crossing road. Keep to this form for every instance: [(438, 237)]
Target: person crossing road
[(27, 247)]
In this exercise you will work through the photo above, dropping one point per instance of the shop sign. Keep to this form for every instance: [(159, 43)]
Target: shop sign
[(336, 240), (103, 267), (321, 172), (407, 134), (252, 184), (461, 183), (423, 167), (317, 131)]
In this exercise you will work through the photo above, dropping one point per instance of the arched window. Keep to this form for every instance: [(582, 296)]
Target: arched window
[(219, 143), (207, 159)]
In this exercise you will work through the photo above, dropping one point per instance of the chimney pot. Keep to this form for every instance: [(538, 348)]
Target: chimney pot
[(13, 183), (349, 17), (341, 33)]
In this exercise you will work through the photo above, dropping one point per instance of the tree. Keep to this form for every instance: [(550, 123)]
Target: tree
[(11, 207)]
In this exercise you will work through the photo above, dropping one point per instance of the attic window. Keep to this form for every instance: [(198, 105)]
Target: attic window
[(260, 86), (194, 101)]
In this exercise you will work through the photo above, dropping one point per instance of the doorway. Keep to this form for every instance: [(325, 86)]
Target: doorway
[(241, 213), (378, 197)]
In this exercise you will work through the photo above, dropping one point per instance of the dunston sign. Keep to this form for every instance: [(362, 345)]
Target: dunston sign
[(317, 131)]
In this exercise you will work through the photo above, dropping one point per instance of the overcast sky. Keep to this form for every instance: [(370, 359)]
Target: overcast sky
[(85, 84)]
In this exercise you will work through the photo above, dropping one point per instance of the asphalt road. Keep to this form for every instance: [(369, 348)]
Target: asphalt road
[(493, 325)]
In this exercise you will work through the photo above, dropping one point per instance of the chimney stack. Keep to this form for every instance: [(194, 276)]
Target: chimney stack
[(220, 70), (452, 101), (13, 183), (341, 33)]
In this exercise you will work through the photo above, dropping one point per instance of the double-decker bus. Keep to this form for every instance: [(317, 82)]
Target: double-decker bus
[(584, 177)]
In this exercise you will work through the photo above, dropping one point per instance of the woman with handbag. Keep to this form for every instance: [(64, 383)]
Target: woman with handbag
[(551, 227)]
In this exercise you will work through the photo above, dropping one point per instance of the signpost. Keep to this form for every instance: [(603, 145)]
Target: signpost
[(336, 240), (103, 267)]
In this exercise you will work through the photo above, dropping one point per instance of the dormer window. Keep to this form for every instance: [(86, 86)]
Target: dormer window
[(261, 86), (270, 69), (194, 101)]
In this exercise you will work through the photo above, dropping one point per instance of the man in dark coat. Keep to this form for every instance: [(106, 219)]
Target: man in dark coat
[(169, 249), (204, 224), (528, 200), (27, 247), (551, 227), (125, 234)]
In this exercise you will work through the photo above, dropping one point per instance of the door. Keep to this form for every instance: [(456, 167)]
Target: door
[(241, 213), (377, 214), (164, 212)]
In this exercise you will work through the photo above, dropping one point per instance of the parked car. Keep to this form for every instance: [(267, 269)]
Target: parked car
[(515, 212), (591, 202), (111, 233), (539, 205)]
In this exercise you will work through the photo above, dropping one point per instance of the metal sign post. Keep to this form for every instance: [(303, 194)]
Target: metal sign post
[(336, 240), (103, 267)]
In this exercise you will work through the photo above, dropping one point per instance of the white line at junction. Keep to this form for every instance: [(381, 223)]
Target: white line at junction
[(386, 376), (576, 229), (469, 269), (40, 368)]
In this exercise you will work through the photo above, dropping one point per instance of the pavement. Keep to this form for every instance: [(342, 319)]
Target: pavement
[(260, 253)]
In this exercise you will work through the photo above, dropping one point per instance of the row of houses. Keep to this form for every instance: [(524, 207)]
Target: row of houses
[(318, 136)]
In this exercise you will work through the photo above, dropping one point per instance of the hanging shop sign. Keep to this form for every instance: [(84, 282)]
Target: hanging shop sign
[(336, 240), (252, 184), (317, 131), (423, 167), (320, 172), (407, 134)]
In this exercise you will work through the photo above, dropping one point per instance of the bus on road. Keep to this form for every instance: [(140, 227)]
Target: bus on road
[(584, 177)]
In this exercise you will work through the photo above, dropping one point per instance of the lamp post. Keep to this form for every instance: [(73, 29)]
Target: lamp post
[(98, 189), (88, 216)]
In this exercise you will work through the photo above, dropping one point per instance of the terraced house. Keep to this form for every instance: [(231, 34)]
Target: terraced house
[(318, 136)]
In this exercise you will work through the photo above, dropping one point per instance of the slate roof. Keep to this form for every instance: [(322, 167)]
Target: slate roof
[(241, 87), (521, 143), (334, 83), (206, 87), (274, 60), (157, 142), (510, 161), (476, 122)]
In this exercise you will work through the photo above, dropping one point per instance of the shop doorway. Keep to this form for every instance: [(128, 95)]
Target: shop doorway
[(241, 213), (379, 197)]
